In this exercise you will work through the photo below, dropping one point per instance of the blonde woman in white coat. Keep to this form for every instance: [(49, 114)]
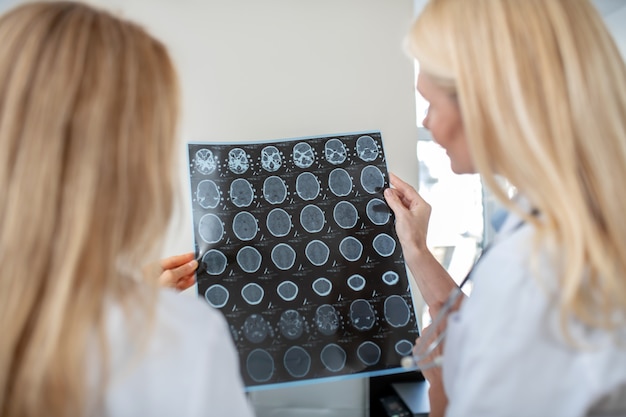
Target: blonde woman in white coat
[(88, 111), (532, 91)]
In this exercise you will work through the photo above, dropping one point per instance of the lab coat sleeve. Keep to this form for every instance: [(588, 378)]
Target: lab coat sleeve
[(219, 390)]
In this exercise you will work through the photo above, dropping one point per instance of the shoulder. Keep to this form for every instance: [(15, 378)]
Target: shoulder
[(512, 266), (187, 311), (185, 325), (174, 314), (181, 332), (182, 362)]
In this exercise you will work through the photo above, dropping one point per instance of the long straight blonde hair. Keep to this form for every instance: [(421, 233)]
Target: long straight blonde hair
[(542, 92), (88, 108)]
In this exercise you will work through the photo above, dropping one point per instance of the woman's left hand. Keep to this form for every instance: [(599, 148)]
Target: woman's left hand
[(176, 272)]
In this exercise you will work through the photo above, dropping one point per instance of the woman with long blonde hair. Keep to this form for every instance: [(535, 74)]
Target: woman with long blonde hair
[(88, 111), (532, 91)]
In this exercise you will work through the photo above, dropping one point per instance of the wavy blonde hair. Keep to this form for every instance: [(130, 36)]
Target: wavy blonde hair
[(542, 92), (88, 108)]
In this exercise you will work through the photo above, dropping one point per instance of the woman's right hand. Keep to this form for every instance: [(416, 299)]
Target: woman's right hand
[(412, 214)]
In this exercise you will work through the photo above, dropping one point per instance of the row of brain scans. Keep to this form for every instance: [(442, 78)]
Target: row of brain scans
[(271, 158), (275, 190), (298, 250)]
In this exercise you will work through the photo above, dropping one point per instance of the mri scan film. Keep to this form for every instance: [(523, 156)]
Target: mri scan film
[(297, 249)]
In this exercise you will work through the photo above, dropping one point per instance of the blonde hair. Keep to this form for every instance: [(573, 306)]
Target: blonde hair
[(88, 108), (541, 87)]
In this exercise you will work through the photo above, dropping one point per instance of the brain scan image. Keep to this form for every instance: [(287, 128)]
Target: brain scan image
[(340, 182), (327, 319), (322, 286), (249, 259), (351, 248), (256, 328), (245, 226), (214, 262), (333, 357), (238, 162), (241, 192), (211, 228), (303, 155), (307, 186), (312, 218), (345, 215), (391, 277), (369, 353), (356, 282), (283, 256), (384, 245), (366, 148), (287, 290), (291, 324), (278, 222), (204, 162), (397, 311), (298, 251), (274, 190), (271, 159), (372, 179), (208, 194), (217, 295), (378, 212), (362, 315), (335, 151), (252, 293), (404, 347), (297, 361), (317, 252), (260, 365)]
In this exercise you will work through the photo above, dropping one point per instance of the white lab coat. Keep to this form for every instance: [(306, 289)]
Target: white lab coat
[(190, 367), (505, 355)]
